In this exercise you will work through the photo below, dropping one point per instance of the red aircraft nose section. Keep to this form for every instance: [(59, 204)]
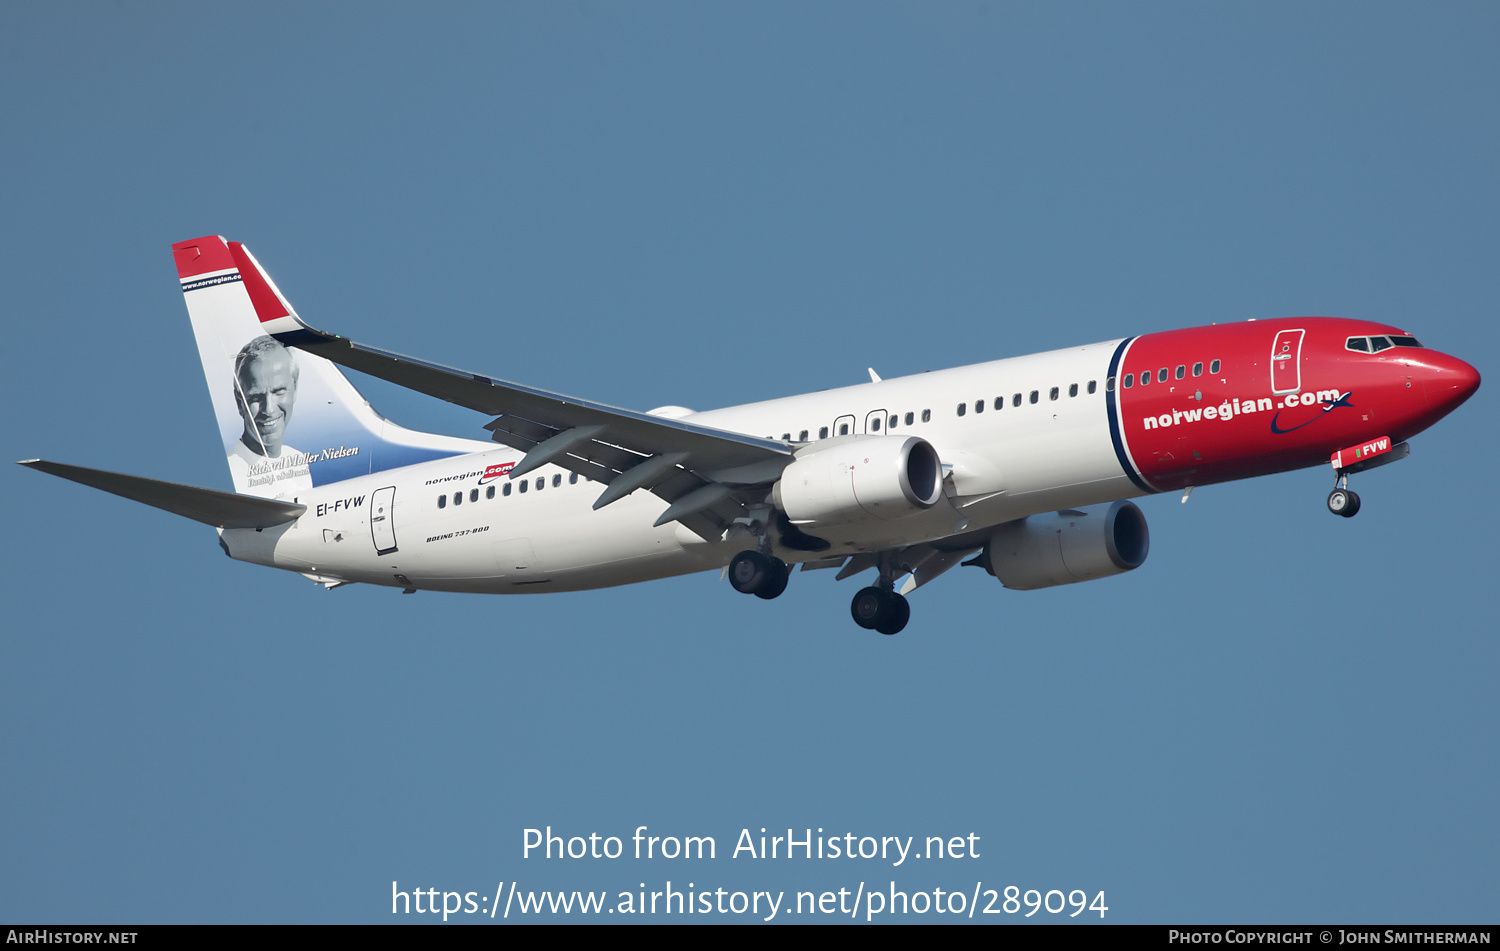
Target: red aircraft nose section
[(1449, 381)]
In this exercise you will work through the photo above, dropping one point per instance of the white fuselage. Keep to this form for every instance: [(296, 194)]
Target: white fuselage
[(1004, 464)]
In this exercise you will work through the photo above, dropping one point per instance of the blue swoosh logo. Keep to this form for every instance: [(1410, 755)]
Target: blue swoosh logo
[(1328, 405)]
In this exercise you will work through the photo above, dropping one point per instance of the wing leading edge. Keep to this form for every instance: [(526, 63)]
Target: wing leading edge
[(704, 474)]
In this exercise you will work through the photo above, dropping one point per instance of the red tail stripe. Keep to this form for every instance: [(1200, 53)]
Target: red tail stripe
[(200, 256), (268, 306)]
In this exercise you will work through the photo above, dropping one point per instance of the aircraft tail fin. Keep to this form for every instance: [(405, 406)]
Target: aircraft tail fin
[(268, 399)]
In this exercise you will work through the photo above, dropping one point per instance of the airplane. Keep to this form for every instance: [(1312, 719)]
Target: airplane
[(1023, 467)]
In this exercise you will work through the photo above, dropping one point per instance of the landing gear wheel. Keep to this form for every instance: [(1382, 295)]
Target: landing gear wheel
[(1343, 502), (775, 581), (867, 607), (749, 571), (876, 609), (899, 613)]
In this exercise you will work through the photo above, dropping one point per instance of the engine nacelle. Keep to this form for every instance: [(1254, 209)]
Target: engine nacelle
[(1068, 546), (867, 477)]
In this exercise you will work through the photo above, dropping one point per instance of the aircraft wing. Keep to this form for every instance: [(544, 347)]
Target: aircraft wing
[(698, 470)]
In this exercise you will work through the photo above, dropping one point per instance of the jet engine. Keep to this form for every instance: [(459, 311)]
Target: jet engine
[(1067, 546), (868, 477)]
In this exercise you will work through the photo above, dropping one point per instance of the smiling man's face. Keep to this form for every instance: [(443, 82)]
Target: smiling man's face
[(267, 385)]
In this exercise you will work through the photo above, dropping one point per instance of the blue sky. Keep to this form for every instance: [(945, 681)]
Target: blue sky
[(1282, 717)]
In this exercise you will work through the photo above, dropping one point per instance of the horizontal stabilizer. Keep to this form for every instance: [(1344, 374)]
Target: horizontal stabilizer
[(211, 507)]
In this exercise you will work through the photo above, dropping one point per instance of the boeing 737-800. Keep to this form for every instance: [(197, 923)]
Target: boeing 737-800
[(1022, 466)]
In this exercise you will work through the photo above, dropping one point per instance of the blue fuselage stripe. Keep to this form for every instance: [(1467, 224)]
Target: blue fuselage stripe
[(1112, 401)]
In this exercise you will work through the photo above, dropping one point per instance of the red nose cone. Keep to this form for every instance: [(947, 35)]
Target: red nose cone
[(1450, 381)]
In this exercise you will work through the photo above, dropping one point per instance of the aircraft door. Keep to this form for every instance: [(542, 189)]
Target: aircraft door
[(1286, 362), (382, 525), (843, 426), (875, 422)]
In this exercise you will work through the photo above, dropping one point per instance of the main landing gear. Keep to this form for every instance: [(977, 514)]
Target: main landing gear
[(879, 607), (764, 576), (1342, 500)]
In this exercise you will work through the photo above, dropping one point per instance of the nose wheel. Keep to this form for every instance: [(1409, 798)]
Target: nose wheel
[(1343, 500)]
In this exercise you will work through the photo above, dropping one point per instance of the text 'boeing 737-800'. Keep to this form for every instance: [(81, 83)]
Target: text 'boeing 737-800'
[(1022, 466)]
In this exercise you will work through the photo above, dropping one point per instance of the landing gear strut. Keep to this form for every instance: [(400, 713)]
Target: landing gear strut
[(879, 607), (1342, 500)]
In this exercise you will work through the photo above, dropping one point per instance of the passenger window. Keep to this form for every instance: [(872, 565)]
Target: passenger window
[(999, 402), (473, 495), (1015, 400), (1035, 395), (1109, 385), (874, 425), (962, 408), (489, 492), (892, 423), (572, 478), (909, 418), (506, 489), (843, 429), (926, 415), (458, 498), (802, 436), (541, 483), (786, 437), (1145, 377), (1213, 367), (1094, 384), (822, 432), (1181, 370), (524, 484), (557, 480), (1161, 375), (442, 501), (979, 406), (1053, 394), (1198, 368), (1072, 389)]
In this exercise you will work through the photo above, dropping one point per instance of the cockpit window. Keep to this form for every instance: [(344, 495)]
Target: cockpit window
[(1377, 344)]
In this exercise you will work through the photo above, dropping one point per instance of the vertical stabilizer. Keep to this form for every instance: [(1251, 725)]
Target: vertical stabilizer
[(288, 420)]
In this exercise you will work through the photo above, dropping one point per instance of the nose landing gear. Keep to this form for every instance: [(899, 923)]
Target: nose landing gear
[(1368, 455), (1343, 502)]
